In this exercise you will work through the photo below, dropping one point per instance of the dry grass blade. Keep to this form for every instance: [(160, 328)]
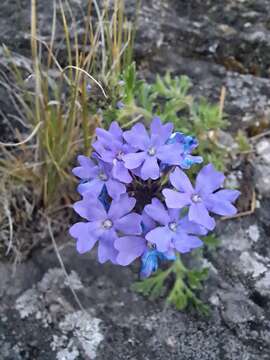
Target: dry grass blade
[(10, 223), (103, 46), (24, 141), (90, 76), (63, 266), (35, 60)]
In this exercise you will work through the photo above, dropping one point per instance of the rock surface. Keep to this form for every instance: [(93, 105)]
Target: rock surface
[(217, 43), (41, 318)]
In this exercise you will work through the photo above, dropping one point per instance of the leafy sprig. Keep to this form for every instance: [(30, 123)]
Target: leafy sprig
[(169, 98), (182, 293)]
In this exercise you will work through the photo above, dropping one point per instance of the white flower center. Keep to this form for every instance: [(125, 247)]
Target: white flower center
[(151, 151), (173, 226), (107, 224), (103, 176), (196, 198)]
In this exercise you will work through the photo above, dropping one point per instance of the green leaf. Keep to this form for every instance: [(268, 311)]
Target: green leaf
[(177, 296), (211, 241), (153, 286), (195, 278), (129, 78), (242, 142)]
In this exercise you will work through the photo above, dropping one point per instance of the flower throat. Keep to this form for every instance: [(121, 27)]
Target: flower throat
[(144, 192)]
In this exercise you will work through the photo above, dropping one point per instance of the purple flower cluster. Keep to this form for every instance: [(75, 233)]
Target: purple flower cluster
[(137, 202)]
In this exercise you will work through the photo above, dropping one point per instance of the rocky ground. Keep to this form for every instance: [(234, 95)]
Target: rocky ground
[(217, 43)]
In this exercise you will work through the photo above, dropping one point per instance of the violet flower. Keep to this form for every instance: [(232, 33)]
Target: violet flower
[(120, 105), (111, 148), (173, 232), (94, 176), (126, 228), (151, 149), (151, 259), (130, 248), (189, 143), (105, 227), (202, 198)]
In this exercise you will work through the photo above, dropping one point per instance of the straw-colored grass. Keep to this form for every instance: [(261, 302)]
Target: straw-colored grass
[(53, 102)]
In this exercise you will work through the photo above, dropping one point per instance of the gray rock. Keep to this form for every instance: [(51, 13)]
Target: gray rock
[(86, 330), (262, 176), (263, 285), (263, 150), (118, 322), (254, 232), (251, 264)]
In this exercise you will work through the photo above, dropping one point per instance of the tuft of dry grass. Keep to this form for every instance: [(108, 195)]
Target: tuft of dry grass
[(54, 105)]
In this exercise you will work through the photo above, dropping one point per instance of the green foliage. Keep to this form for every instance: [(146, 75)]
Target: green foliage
[(243, 142), (183, 291), (153, 286), (211, 241), (169, 98)]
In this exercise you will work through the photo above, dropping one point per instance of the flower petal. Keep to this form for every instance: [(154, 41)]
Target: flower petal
[(149, 263), (181, 181), (121, 207), (129, 224), (104, 135), (150, 168), (161, 236), (106, 155), (217, 205), (228, 195), (85, 161), (115, 188), (157, 212), (89, 208), (199, 214), (121, 173), (189, 160), (137, 137), (174, 214), (170, 154), (132, 161), (208, 180), (185, 243), (82, 232), (162, 131), (94, 186), (106, 249), (87, 170), (115, 130), (191, 227), (175, 199), (129, 247), (147, 222)]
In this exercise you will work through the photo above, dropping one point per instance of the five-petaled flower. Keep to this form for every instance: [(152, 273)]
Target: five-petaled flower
[(105, 227), (202, 198), (151, 149), (173, 231), (94, 176), (111, 148), (189, 143)]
